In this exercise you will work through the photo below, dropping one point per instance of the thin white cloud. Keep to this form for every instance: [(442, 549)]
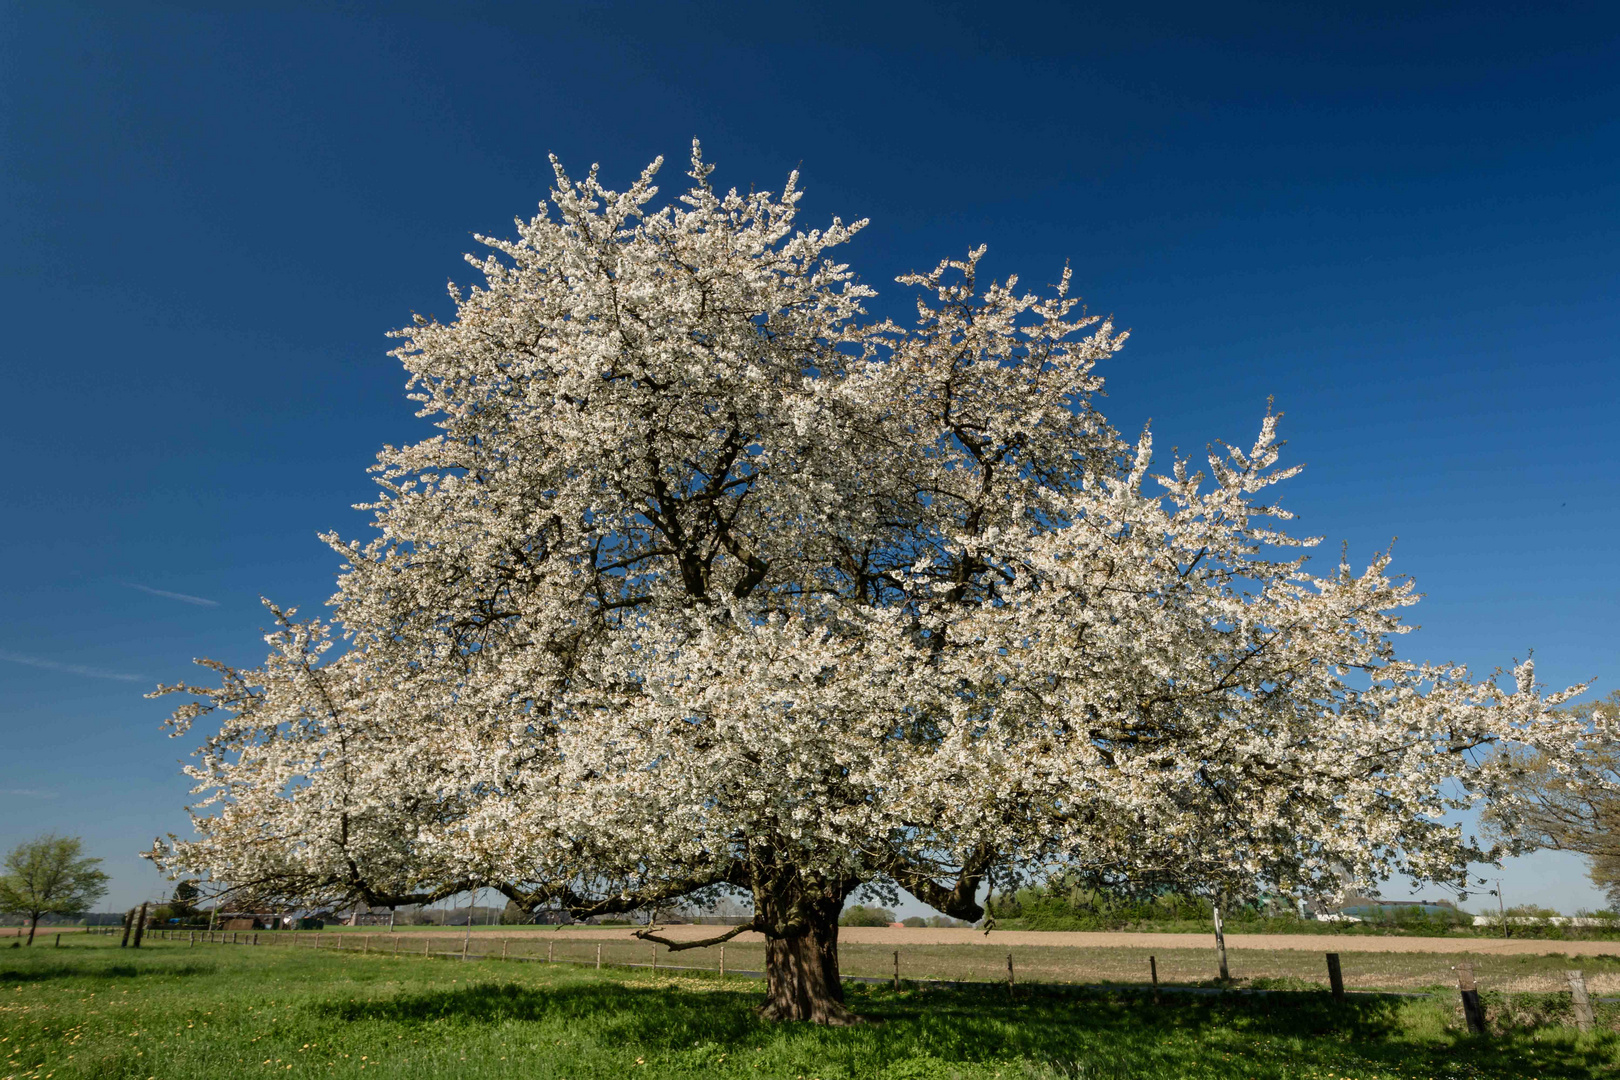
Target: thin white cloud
[(184, 598), (28, 793), (68, 669)]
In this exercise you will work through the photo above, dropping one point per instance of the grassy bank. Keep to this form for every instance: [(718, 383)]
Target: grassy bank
[(172, 1012)]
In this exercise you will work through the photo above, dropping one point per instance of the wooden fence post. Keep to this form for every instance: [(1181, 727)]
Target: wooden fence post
[(193, 937), (365, 943), (465, 938), (58, 941), (722, 960), (551, 947), (1578, 997), (655, 957), (503, 948), (1335, 976), (129, 924), (140, 927), (1010, 981), (897, 969), (425, 942), (1153, 973), (1220, 944), (598, 956), (1473, 1011)]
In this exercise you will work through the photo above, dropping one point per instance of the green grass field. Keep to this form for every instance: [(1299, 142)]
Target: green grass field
[(171, 1012)]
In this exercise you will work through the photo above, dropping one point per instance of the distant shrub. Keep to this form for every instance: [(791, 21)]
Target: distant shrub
[(861, 915), (1067, 904), (1418, 921)]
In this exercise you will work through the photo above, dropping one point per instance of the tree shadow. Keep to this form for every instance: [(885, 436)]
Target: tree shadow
[(45, 972), (973, 1025)]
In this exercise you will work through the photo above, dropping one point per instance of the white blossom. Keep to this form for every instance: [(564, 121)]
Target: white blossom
[(710, 580)]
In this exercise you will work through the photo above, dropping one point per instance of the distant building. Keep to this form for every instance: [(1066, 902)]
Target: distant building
[(551, 917), (1372, 907)]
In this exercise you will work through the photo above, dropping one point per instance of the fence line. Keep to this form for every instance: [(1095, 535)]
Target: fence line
[(362, 943)]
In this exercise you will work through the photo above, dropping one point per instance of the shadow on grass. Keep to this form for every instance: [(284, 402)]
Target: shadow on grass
[(971, 1025), (68, 969)]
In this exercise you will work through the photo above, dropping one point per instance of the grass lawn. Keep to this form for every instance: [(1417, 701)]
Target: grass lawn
[(173, 1012)]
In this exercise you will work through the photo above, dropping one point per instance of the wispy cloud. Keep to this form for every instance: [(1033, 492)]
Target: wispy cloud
[(68, 669), (184, 598), (28, 793)]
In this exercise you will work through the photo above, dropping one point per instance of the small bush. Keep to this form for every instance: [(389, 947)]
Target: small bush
[(861, 915)]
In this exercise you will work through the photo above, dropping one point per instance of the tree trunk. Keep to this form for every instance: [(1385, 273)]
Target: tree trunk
[(801, 971), (31, 928)]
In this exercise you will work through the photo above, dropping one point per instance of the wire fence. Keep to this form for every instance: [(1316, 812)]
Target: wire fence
[(1170, 970)]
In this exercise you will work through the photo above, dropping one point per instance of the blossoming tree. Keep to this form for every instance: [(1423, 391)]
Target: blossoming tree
[(709, 582)]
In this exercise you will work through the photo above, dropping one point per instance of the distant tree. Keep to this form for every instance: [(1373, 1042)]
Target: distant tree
[(1550, 804), (50, 876), (914, 921), (184, 901), (861, 915), (514, 914)]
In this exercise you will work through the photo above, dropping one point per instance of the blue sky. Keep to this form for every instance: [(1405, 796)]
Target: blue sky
[(1400, 221)]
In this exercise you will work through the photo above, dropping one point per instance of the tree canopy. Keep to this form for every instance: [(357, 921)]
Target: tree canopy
[(1561, 808), (50, 875), (711, 581)]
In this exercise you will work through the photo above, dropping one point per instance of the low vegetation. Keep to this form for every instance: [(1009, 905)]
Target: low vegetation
[(1065, 905)]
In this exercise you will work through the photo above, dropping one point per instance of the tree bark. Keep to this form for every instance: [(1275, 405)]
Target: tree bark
[(801, 970), (31, 928)]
